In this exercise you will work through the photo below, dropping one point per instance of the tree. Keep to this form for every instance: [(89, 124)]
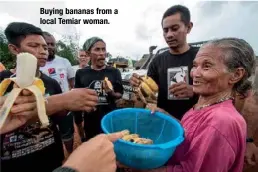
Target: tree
[(5, 56), (68, 47)]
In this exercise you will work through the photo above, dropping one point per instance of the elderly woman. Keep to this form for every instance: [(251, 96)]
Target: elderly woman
[(215, 133)]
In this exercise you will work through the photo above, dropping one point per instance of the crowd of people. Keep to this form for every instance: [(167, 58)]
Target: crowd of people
[(210, 103)]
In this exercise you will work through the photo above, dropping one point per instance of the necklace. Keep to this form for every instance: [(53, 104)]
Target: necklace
[(217, 102)]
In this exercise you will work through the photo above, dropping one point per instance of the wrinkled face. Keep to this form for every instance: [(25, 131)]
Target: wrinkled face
[(35, 45), (175, 31), (98, 54), (83, 58), (51, 43), (209, 73)]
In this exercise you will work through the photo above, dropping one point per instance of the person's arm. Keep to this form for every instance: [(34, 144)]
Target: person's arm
[(248, 107), (70, 74), (78, 114)]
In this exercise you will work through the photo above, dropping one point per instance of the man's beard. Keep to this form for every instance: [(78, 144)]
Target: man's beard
[(51, 57)]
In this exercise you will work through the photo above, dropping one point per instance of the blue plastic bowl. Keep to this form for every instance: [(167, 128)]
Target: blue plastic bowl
[(166, 133)]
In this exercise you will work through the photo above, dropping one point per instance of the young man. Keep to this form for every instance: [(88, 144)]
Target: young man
[(61, 70), (92, 77), (31, 148), (175, 63)]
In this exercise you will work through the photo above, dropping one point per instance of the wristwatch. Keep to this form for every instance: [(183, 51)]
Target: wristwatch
[(249, 140)]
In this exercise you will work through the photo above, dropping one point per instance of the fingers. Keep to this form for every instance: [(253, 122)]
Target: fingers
[(135, 80), (250, 161), (181, 94), (91, 92), (178, 87), (89, 109), (115, 136), (92, 98), (25, 99), (26, 93), (23, 107)]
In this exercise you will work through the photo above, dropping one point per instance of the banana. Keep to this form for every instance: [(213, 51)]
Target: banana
[(143, 141), (25, 79), (151, 83), (109, 84), (148, 90), (135, 138)]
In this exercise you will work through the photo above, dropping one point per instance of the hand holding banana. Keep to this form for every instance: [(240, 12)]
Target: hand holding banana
[(25, 80), (147, 89)]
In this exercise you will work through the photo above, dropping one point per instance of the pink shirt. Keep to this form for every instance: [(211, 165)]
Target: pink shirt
[(214, 141)]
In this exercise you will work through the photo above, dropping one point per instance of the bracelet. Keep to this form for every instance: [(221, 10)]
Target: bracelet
[(249, 140)]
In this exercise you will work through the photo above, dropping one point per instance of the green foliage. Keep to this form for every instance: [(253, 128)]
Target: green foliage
[(5, 56)]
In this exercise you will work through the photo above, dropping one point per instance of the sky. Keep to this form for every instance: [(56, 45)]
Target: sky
[(138, 22)]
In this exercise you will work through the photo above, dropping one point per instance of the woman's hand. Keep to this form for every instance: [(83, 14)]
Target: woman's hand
[(154, 108)]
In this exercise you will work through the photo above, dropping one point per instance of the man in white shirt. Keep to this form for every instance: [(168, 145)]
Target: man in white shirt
[(61, 70)]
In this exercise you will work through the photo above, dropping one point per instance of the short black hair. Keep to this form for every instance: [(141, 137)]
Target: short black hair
[(15, 32), (182, 10)]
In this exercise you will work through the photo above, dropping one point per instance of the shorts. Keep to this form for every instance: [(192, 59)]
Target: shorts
[(66, 127)]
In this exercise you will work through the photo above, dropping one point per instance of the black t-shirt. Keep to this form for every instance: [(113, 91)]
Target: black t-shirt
[(92, 79), (163, 69), (29, 148)]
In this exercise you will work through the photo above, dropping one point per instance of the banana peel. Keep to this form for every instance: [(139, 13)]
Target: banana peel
[(25, 79), (109, 84)]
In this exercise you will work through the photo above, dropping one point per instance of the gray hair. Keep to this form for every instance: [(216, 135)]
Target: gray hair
[(237, 53)]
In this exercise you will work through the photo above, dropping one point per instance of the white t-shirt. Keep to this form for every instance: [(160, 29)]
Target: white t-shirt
[(61, 70)]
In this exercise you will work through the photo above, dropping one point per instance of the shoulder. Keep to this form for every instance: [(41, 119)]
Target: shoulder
[(112, 69), (225, 117), (161, 56), (61, 59), (50, 83), (194, 50), (158, 58)]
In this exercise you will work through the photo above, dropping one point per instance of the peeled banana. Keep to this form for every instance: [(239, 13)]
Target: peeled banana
[(109, 84), (25, 79)]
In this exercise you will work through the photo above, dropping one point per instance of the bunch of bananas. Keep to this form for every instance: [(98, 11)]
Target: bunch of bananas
[(148, 90), (25, 79)]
